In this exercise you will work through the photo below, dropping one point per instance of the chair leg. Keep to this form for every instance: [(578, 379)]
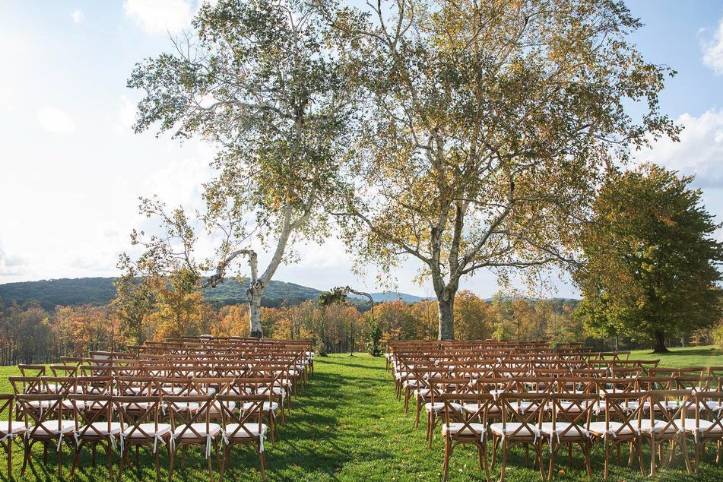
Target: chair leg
[(9, 449), (607, 455), (653, 451), (416, 416), (553, 450), (538, 459), (684, 449), (76, 458), (588, 462), (59, 458), (494, 451), (445, 465), (171, 461), (109, 457), (210, 467), (505, 448), (262, 462)]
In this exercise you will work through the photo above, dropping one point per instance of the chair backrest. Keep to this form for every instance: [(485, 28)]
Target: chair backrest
[(44, 413), (469, 417), (188, 411), (246, 418), (26, 384), (627, 409), (670, 408), (6, 412), (575, 410), (708, 407), (28, 370), (525, 409), (135, 411), (91, 413)]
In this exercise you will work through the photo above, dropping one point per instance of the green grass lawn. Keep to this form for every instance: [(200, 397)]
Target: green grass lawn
[(346, 425), (697, 356)]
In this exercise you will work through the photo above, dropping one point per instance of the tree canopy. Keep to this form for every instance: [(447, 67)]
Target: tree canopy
[(487, 129), (650, 266), (257, 80)]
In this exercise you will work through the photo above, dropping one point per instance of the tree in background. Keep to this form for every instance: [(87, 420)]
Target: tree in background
[(473, 317), (487, 130), (231, 320), (258, 81), (650, 261), (83, 328), (133, 302), (179, 309)]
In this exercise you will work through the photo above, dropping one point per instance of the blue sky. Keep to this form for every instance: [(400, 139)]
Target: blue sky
[(71, 170)]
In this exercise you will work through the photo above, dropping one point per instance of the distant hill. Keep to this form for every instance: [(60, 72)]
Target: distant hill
[(99, 291), (382, 296)]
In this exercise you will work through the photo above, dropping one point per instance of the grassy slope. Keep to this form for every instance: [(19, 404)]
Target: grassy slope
[(347, 426)]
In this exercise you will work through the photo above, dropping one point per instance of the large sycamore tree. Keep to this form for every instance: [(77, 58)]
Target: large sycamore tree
[(257, 80), (650, 264), (487, 129)]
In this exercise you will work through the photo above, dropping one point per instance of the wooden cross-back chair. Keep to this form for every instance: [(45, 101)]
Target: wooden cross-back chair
[(190, 419), (467, 426), (570, 424), (622, 424), (10, 429), (437, 387), (706, 425), (139, 417), (94, 425), (522, 417), (242, 427), (665, 423), (48, 421)]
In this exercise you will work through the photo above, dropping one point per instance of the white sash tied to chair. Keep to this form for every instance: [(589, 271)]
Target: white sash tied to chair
[(209, 443)]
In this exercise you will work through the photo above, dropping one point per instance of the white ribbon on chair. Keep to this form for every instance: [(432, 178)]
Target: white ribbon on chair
[(209, 443)]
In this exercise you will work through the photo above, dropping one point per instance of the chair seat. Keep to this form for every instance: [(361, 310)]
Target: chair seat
[(147, 429), (197, 429), (439, 406), (574, 407), (474, 408), (421, 392), (703, 426), (190, 407), (249, 430), (51, 427), (458, 428), (410, 383), (658, 426), (563, 430), (267, 406), (136, 406), (515, 429), (18, 427), (275, 390), (598, 428), (101, 428), (216, 406)]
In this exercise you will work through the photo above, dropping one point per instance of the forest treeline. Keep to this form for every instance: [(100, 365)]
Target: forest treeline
[(30, 333)]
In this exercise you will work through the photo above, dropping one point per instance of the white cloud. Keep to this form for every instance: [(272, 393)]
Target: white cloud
[(159, 16), (10, 265), (699, 152), (55, 121), (78, 16), (713, 51)]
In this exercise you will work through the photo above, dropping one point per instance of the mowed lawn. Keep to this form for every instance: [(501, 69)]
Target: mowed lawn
[(346, 425)]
